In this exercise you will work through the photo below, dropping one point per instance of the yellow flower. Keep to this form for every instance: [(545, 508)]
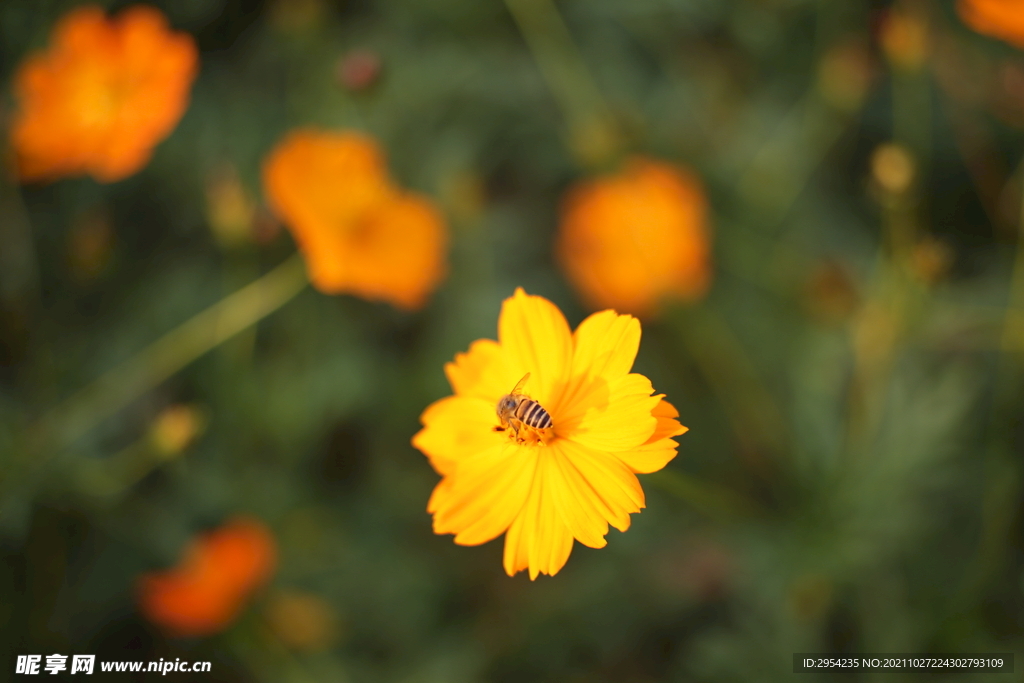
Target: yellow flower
[(579, 477)]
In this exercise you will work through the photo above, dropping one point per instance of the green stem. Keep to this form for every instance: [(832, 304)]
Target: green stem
[(592, 132), (118, 387), (1002, 473), (730, 372), (1012, 339), (895, 302), (784, 165)]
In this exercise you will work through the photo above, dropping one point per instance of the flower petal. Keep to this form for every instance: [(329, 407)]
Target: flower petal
[(456, 428), (323, 180), (485, 495), (605, 344), (613, 416), (579, 506), (650, 457), (659, 449), (535, 338), (617, 492), (327, 254), (538, 539), (482, 371), (440, 494), (668, 425), (551, 547), (516, 555), (397, 251)]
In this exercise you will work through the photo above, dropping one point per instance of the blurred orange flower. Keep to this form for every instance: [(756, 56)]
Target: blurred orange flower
[(628, 240), (545, 487), (360, 233), (218, 572), (102, 96), (1002, 19)]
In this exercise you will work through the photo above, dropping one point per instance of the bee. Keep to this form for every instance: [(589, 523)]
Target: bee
[(516, 410)]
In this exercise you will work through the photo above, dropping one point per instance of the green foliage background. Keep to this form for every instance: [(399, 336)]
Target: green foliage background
[(851, 480)]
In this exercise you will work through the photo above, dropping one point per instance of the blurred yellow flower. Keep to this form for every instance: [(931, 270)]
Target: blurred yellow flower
[(359, 233), (302, 621), (892, 167), (209, 587), (845, 73), (102, 96), (580, 477), (904, 38), (628, 240), (230, 210), (1002, 19), (175, 428)]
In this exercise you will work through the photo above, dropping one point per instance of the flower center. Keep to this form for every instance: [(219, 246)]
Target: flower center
[(530, 436)]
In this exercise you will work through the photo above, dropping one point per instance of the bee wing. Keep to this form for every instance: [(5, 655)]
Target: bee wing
[(519, 385)]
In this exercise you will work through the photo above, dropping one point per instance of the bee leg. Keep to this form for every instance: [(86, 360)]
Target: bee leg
[(518, 436), (499, 429)]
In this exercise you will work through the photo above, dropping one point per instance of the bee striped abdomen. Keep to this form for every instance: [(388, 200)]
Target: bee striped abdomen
[(533, 414)]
